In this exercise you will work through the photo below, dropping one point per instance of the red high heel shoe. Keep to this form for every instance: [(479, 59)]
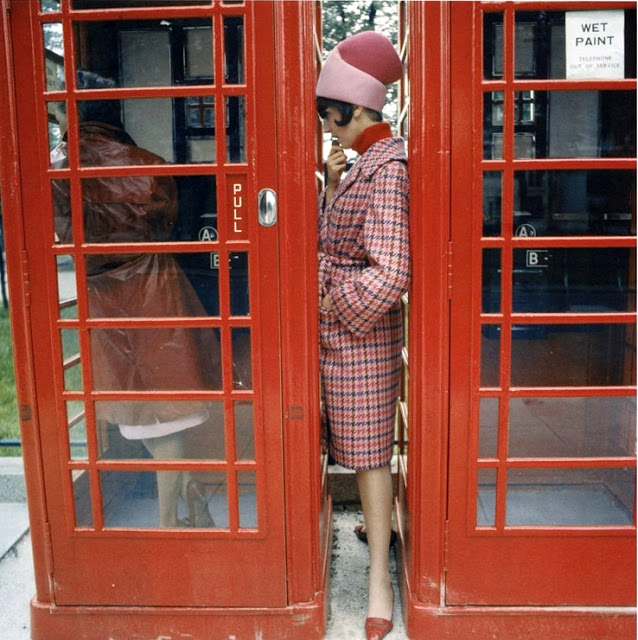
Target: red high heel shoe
[(377, 628)]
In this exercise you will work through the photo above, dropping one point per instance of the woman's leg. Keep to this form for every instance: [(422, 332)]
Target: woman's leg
[(169, 483), (375, 491)]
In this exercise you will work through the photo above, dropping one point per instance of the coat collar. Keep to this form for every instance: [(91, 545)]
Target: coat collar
[(378, 154)]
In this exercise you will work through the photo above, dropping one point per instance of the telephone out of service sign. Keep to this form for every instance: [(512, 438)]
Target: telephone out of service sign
[(595, 44)]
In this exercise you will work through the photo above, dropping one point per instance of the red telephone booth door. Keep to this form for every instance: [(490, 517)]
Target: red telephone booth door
[(542, 424), (149, 193)]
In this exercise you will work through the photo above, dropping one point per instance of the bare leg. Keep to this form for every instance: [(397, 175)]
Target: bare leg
[(170, 484), (375, 491)]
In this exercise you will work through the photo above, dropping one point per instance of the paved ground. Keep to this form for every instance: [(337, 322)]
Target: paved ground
[(348, 578)]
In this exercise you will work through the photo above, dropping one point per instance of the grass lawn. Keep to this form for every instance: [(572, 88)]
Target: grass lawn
[(9, 427)]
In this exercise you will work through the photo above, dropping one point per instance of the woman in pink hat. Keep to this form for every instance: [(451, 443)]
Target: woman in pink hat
[(364, 269)]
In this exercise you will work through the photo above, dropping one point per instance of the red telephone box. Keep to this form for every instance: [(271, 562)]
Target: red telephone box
[(517, 469), (153, 181)]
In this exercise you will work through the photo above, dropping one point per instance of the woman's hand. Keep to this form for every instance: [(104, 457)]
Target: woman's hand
[(326, 303), (335, 166)]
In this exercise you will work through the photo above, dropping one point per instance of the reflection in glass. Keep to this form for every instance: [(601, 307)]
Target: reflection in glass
[(50, 6), (56, 121), (53, 56), (574, 280), (566, 203), (570, 497), (242, 359), (199, 53), (236, 128), (491, 281), (76, 421), (247, 496), (488, 428), (594, 124), (580, 427), (148, 53), (154, 359), (71, 359), (486, 498), (82, 498), (573, 355), (234, 49), (244, 431), (67, 288), (239, 291), (490, 355), (199, 426), (178, 130), (144, 499), (492, 202)]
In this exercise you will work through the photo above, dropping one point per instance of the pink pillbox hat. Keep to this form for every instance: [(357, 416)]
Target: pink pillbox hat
[(358, 69)]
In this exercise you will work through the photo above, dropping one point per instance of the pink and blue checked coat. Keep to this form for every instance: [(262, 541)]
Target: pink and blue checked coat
[(364, 265)]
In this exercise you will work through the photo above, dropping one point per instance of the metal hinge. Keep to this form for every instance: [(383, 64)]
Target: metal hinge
[(450, 265)]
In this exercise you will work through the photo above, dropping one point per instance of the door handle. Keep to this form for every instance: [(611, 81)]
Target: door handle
[(267, 207)]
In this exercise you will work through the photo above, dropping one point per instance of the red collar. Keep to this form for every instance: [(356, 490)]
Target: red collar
[(370, 135)]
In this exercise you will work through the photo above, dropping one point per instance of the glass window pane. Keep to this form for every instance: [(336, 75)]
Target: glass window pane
[(199, 54), (76, 421), (157, 359), (141, 209), (234, 50), (573, 355), (568, 203), (56, 121), (53, 56), (67, 288), (148, 131), (490, 355), (580, 427), (486, 498), (239, 291), (151, 285), (491, 281), (488, 428), (164, 499), (244, 431), (72, 365), (542, 48), (574, 280), (492, 45), (124, 427), (242, 359), (147, 53), (82, 498), (236, 128), (570, 497), (594, 124), (247, 496), (492, 202), (50, 6)]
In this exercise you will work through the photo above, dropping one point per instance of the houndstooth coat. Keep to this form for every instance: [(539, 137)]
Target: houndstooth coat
[(364, 265)]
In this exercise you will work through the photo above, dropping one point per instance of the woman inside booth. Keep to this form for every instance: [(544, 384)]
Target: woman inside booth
[(135, 209), (364, 269)]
